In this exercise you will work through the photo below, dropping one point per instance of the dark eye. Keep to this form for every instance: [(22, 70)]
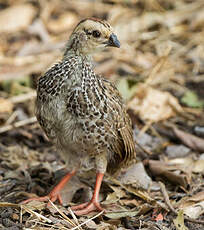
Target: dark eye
[(96, 33)]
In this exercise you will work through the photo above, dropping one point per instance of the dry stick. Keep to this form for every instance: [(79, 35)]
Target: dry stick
[(100, 213), (145, 128), (75, 218), (18, 124), (66, 218), (38, 215), (166, 197), (168, 203), (11, 118), (143, 148), (19, 99), (23, 97)]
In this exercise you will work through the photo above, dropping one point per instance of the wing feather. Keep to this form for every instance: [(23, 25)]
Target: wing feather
[(123, 147)]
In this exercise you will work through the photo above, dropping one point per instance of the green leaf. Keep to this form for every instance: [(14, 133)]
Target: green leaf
[(17, 86), (123, 85), (191, 99), (123, 88), (179, 221)]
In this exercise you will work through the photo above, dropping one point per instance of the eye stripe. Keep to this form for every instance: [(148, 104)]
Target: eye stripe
[(87, 32)]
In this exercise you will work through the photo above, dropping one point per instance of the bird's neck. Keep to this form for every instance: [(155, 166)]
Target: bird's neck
[(82, 58), (80, 62), (75, 48)]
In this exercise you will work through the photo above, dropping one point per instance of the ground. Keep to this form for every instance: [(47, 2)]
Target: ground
[(159, 72)]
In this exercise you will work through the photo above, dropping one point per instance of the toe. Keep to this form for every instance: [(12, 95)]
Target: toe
[(43, 198), (98, 206), (53, 198), (87, 208), (78, 207)]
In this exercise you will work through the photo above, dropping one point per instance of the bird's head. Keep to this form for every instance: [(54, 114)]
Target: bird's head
[(92, 35)]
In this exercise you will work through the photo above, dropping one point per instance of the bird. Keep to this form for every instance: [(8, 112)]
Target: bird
[(83, 113)]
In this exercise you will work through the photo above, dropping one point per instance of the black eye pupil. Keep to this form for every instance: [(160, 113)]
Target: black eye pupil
[(96, 33)]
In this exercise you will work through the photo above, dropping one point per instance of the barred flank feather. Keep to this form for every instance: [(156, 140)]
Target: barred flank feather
[(124, 149)]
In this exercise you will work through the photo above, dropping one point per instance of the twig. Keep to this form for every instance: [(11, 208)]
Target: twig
[(11, 118), (23, 97), (66, 218), (100, 213), (74, 217), (21, 215), (38, 215), (166, 197), (143, 148), (18, 124), (168, 203), (145, 128)]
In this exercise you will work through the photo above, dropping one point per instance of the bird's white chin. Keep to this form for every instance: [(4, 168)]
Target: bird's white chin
[(100, 47), (94, 50)]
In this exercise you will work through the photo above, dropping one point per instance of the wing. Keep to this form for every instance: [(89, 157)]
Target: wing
[(123, 147)]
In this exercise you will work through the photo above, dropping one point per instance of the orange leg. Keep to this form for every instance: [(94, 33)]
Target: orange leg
[(55, 193), (85, 208)]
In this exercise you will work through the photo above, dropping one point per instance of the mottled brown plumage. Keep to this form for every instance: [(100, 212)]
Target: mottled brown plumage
[(80, 111)]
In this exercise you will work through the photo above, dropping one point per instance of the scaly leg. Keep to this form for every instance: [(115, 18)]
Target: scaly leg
[(94, 204), (55, 193)]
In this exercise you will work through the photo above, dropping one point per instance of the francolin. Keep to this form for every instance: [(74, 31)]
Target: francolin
[(83, 113)]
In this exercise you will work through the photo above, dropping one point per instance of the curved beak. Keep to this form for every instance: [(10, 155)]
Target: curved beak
[(113, 41)]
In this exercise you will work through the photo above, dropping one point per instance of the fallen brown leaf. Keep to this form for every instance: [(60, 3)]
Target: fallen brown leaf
[(24, 16), (6, 106), (153, 105), (190, 140), (195, 210), (161, 169), (62, 23)]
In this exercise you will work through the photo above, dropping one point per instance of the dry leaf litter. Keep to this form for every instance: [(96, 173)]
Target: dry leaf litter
[(159, 71)]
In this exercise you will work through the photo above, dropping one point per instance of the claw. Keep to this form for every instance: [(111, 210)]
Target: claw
[(81, 209), (43, 198), (86, 208), (93, 205), (55, 193)]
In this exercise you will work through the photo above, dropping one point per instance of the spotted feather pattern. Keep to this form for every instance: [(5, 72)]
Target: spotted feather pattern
[(82, 112)]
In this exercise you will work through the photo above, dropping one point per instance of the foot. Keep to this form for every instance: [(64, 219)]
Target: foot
[(86, 208), (93, 205), (55, 193), (52, 196)]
